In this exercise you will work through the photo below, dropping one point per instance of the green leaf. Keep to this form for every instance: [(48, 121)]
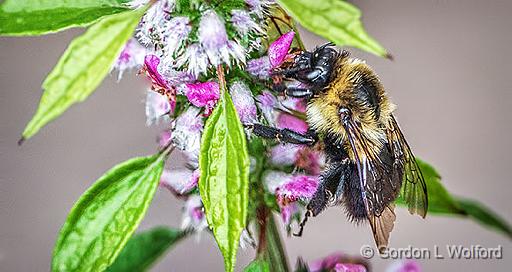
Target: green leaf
[(143, 249), (106, 215), (224, 164), (484, 216), (440, 201), (83, 66), (335, 20), (37, 17), (257, 265)]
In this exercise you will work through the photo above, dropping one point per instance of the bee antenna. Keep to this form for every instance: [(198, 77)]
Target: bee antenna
[(303, 223), (327, 44)]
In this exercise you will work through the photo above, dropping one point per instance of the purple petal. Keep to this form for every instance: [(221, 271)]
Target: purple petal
[(259, 67), (151, 64), (203, 94), (278, 50), (298, 187), (285, 120), (349, 267)]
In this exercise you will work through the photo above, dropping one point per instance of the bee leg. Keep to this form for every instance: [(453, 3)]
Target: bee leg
[(284, 135), (299, 92), (326, 192)]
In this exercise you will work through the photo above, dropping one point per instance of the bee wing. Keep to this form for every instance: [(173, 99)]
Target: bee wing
[(379, 180), (414, 189)]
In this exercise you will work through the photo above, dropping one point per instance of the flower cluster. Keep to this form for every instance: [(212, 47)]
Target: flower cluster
[(177, 47)]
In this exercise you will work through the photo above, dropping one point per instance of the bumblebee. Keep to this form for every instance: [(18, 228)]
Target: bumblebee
[(368, 161)]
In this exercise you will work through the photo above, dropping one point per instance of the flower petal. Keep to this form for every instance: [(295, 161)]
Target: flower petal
[(202, 94), (244, 102), (349, 267), (151, 63), (298, 187), (259, 67), (278, 50), (157, 107), (285, 120)]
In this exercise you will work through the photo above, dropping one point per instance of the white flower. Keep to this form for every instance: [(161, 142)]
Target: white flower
[(151, 30), (132, 57), (267, 102), (215, 43), (243, 22), (193, 214), (259, 7), (244, 102), (179, 181), (157, 107), (195, 59), (187, 133), (177, 30)]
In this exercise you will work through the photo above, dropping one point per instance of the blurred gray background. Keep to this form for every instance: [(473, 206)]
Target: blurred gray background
[(451, 79)]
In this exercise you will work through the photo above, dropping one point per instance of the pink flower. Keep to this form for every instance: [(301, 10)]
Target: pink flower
[(349, 267), (310, 160), (244, 103), (288, 190), (203, 94), (278, 50), (297, 187), (151, 63), (285, 120)]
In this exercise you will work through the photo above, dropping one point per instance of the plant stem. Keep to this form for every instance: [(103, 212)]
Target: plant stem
[(275, 252), (270, 245)]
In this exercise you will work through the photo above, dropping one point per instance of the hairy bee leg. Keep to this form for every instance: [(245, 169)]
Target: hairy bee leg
[(331, 181), (303, 223), (284, 135)]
